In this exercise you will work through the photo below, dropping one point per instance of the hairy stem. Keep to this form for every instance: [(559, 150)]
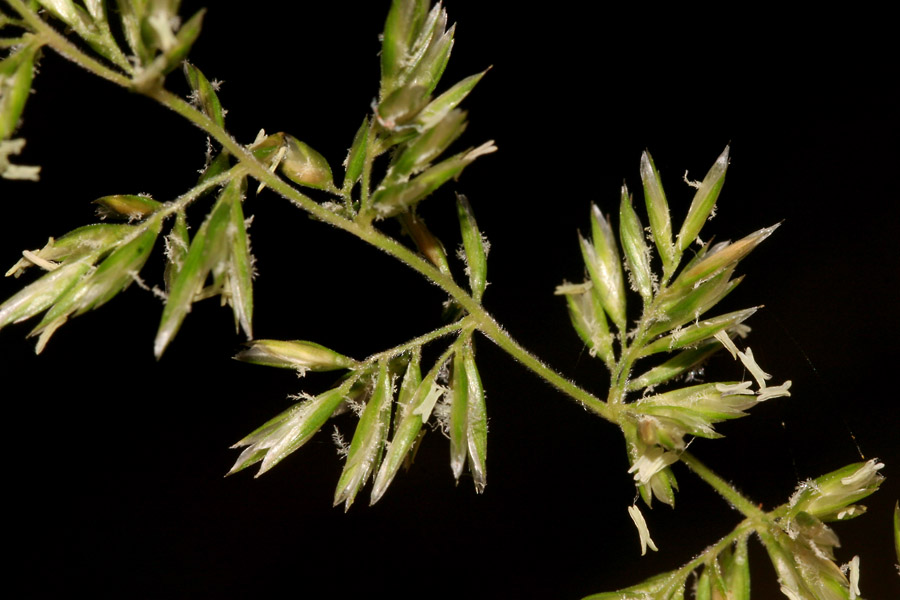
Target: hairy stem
[(724, 489), (365, 184), (11, 42), (742, 529), (463, 323), (630, 352), (198, 190)]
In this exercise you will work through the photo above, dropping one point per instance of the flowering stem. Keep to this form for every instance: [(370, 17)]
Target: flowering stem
[(365, 183), (478, 316), (464, 323), (365, 231), (631, 352), (743, 529), (198, 190), (725, 489)]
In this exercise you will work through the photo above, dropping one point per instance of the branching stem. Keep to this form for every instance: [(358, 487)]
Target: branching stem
[(744, 528), (368, 233), (198, 190), (477, 317), (464, 323)]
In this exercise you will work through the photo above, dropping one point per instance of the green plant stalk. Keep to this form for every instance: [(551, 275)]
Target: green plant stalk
[(464, 323), (725, 489), (630, 351), (743, 528), (198, 190), (10, 42), (626, 360), (365, 182), (483, 321)]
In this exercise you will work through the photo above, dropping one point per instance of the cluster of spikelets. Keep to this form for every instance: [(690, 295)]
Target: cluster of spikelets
[(391, 418), (156, 42), (799, 543), (414, 130), (87, 267), (675, 300), (391, 421), (90, 265)]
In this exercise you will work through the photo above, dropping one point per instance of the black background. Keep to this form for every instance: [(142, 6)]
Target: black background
[(114, 461)]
